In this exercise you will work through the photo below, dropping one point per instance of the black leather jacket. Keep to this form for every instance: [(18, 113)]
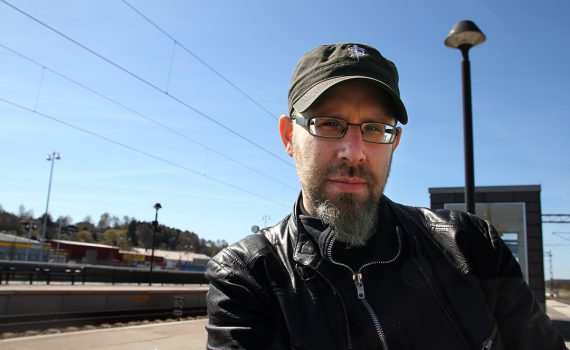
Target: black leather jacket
[(268, 290)]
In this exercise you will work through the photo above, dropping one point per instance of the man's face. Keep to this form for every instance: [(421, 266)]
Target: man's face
[(343, 179)]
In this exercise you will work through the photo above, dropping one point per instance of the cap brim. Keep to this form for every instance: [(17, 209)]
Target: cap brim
[(305, 101)]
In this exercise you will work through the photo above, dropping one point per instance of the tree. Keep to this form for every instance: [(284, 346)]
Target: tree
[(116, 238), (65, 220), (127, 220), (85, 226), (82, 236), (104, 222), (144, 232), (125, 233), (10, 223), (132, 234), (115, 221), (50, 226), (23, 213)]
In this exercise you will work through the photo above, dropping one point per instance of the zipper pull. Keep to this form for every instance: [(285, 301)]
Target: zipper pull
[(487, 344), (357, 277)]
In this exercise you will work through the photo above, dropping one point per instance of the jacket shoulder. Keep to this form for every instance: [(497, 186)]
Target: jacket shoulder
[(470, 242), (241, 254)]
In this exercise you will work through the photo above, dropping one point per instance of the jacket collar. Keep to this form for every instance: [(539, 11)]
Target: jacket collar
[(311, 237)]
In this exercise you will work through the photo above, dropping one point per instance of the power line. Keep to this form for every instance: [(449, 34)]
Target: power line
[(561, 235), (147, 154), (176, 42), (83, 86), (148, 83), (556, 218)]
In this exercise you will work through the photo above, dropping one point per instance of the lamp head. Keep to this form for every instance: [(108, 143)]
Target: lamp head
[(56, 156), (157, 206), (464, 34)]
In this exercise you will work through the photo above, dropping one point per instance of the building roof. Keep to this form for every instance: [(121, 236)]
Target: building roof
[(513, 188), (7, 237), (84, 244)]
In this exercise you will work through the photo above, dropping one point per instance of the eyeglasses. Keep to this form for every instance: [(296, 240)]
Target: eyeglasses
[(335, 128)]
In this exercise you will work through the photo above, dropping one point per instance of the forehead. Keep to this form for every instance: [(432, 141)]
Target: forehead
[(354, 93)]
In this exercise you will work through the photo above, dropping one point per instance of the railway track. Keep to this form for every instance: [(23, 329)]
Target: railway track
[(41, 323)]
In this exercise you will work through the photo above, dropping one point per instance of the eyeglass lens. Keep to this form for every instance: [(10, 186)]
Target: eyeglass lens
[(336, 128)]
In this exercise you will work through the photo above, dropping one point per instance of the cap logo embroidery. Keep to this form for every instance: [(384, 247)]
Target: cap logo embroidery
[(356, 52)]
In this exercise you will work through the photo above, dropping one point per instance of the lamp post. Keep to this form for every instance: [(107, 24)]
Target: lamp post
[(463, 36), (50, 158), (157, 206)]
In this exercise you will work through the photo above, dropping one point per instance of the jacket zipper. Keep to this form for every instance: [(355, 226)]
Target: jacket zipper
[(488, 344), (359, 284)]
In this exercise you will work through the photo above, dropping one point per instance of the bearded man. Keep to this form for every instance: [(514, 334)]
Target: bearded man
[(349, 268)]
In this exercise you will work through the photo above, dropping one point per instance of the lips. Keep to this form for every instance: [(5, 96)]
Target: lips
[(348, 184)]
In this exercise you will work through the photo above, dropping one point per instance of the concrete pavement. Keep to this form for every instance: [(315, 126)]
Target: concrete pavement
[(560, 315), (189, 335)]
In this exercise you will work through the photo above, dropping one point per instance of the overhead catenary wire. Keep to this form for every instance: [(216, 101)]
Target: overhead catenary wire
[(148, 83), (200, 60), (172, 55), (145, 153), (135, 112), (40, 85)]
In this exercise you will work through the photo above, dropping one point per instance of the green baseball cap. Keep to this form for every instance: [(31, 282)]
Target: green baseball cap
[(327, 65)]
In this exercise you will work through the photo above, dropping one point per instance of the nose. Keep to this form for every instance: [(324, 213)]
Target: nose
[(352, 145)]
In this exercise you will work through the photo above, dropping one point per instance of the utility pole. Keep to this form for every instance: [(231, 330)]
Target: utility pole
[(50, 158), (157, 206), (549, 256), (265, 218)]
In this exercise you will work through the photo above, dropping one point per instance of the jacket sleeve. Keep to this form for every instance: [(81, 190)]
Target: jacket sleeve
[(521, 321), (241, 306)]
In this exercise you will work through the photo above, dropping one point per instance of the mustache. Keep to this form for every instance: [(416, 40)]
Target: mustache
[(350, 171)]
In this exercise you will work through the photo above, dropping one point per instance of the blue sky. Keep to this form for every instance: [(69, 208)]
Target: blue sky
[(145, 128)]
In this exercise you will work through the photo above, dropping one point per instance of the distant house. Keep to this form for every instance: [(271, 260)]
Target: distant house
[(87, 253), (179, 260)]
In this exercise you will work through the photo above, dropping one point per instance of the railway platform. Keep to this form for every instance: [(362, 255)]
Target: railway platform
[(189, 335)]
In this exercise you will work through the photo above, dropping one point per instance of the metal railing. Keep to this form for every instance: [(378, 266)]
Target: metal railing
[(46, 273)]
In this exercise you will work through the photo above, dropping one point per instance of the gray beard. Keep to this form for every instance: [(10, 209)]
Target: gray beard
[(352, 226)]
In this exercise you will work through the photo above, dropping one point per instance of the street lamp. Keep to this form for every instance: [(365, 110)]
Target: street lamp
[(157, 206), (50, 158), (463, 36)]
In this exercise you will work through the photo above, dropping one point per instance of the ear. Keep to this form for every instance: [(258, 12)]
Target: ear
[(397, 141), (286, 131)]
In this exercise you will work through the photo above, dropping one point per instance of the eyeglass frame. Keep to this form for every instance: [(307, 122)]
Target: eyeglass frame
[(301, 120)]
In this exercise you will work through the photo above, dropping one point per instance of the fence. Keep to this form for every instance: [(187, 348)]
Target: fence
[(33, 272)]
